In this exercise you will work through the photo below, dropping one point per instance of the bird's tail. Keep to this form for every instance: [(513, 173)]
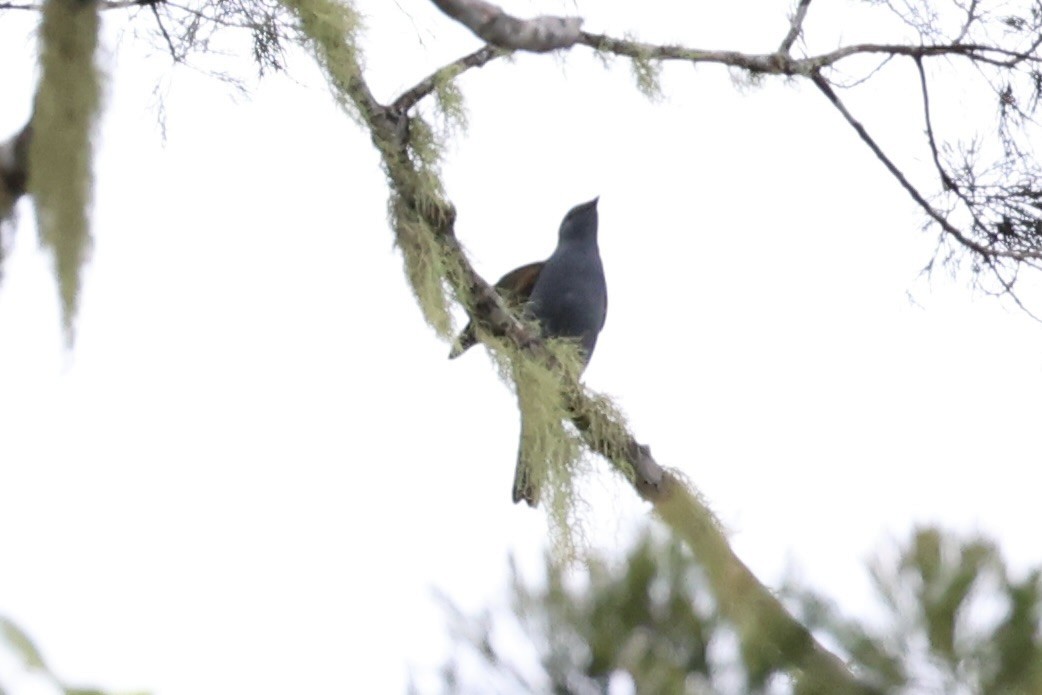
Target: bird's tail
[(524, 486), (464, 341)]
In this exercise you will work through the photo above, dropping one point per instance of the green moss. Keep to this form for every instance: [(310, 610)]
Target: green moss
[(426, 150), (60, 155), (647, 72), (449, 100), (426, 264), (551, 446), (332, 28), (607, 431)]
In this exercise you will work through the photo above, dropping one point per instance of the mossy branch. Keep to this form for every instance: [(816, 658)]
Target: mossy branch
[(446, 74), (420, 212)]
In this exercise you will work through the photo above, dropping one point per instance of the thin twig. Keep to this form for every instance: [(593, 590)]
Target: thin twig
[(424, 87), (169, 42), (947, 183), (971, 17), (826, 89), (782, 64)]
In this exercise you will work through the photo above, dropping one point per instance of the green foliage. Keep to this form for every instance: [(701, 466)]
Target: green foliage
[(645, 616), (952, 615), (60, 178), (651, 616)]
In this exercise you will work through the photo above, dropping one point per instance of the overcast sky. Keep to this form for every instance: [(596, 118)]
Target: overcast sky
[(257, 462)]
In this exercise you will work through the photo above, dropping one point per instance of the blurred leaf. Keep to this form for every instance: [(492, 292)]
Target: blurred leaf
[(947, 572), (932, 638), (649, 615), (642, 615), (1016, 645), (19, 642)]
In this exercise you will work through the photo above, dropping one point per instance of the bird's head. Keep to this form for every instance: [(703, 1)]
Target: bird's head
[(580, 223)]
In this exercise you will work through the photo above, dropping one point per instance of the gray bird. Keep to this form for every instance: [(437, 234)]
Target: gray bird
[(566, 294)]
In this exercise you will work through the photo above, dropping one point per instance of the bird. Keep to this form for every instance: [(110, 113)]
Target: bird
[(566, 294)]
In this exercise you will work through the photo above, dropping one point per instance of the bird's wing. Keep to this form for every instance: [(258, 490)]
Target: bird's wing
[(516, 287), (520, 281)]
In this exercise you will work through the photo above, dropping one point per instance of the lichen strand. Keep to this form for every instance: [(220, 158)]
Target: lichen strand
[(331, 30), (425, 263), (67, 104), (551, 445), (418, 214), (604, 428), (551, 448), (647, 72), (449, 100)]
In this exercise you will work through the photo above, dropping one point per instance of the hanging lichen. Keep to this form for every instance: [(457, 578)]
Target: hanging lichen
[(60, 176), (425, 263), (331, 30), (550, 445)]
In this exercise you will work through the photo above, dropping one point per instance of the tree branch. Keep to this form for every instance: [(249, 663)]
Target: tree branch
[(169, 42), (424, 87), (795, 27), (947, 183), (782, 64), (14, 177), (971, 17), (107, 5), (490, 23), (14, 169), (541, 34), (826, 89)]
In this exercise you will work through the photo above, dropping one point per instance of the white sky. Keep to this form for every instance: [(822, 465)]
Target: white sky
[(257, 462)]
